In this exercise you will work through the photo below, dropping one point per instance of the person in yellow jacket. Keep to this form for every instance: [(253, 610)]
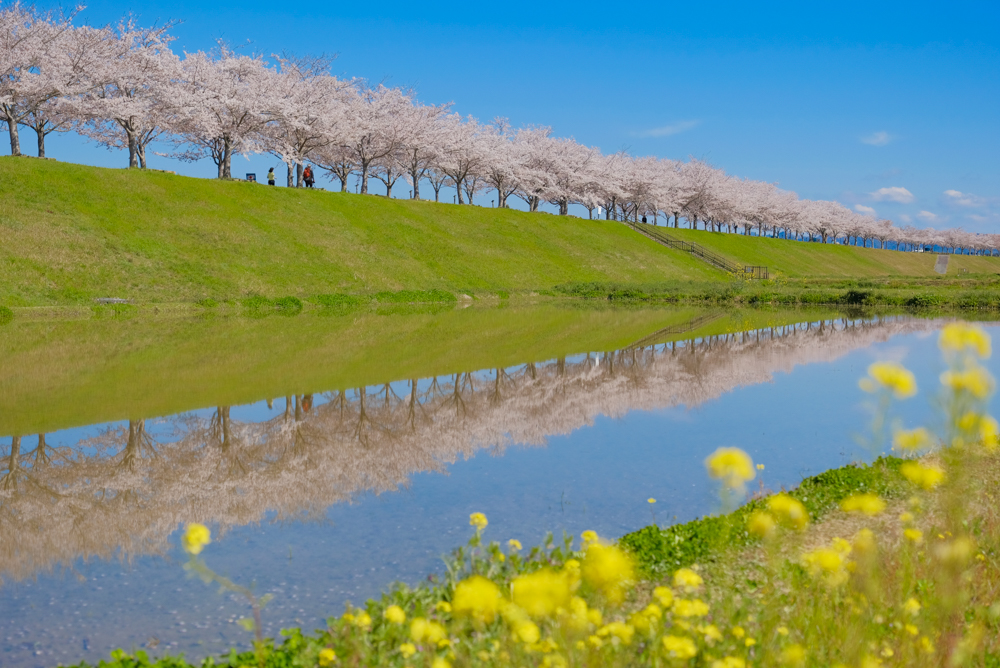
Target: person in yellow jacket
[(270, 177)]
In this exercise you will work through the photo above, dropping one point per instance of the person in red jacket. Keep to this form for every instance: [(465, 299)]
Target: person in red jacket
[(307, 176)]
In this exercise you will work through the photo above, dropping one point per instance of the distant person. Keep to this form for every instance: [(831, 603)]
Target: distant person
[(270, 177), (644, 219), (307, 176)]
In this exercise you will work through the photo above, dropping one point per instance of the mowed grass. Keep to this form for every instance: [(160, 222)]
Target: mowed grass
[(799, 259), (72, 233)]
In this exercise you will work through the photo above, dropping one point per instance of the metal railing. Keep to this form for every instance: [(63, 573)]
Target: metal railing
[(659, 235)]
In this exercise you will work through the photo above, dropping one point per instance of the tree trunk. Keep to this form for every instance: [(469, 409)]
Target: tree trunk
[(388, 189), (416, 184), (140, 151), (458, 189), (227, 159), (291, 174), (364, 177), (41, 142), (298, 175), (15, 140), (133, 151)]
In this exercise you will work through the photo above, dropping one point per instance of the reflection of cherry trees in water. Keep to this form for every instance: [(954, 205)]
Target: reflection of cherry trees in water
[(124, 491)]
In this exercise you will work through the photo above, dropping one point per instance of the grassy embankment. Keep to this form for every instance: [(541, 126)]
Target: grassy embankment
[(74, 233), (64, 373)]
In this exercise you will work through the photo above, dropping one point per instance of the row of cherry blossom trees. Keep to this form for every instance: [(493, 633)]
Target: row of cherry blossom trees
[(123, 87)]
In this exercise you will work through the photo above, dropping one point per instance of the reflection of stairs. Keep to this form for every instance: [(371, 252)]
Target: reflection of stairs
[(689, 326), (659, 235)]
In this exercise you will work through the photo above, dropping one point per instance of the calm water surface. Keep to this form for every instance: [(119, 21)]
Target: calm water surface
[(329, 494)]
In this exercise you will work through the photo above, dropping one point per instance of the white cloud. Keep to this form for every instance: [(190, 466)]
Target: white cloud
[(928, 217), (905, 218), (672, 129), (880, 138), (894, 194), (867, 210), (963, 199)]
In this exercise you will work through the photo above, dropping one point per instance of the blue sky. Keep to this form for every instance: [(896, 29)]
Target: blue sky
[(843, 100)]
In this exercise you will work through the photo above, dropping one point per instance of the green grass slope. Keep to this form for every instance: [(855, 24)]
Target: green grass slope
[(799, 259), (72, 233)]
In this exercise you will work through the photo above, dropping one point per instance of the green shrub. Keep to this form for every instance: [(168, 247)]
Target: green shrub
[(288, 305), (923, 301), (856, 297), (256, 303), (415, 297), (338, 300), (6, 315)]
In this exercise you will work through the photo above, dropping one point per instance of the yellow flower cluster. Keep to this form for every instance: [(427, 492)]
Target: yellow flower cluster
[(976, 381), (478, 598), (609, 570), (864, 504), (912, 440), (730, 465), (961, 337), (925, 477), (890, 376), (196, 537), (478, 520), (789, 511), (829, 563)]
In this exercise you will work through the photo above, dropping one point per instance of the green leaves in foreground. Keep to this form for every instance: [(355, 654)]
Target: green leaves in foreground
[(663, 550)]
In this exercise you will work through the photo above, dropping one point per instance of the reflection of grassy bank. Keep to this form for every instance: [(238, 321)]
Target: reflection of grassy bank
[(980, 293), (64, 373)]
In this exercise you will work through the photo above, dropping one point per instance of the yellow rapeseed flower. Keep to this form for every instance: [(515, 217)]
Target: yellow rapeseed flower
[(443, 607), (914, 535), (793, 655), (196, 537), (976, 381), (679, 647), (620, 630), (440, 662), (911, 629), (911, 440), (906, 517), (478, 520), (891, 376), (363, 620), (730, 465), (407, 649), (687, 579), (423, 630), (711, 633), (542, 592), (789, 511), (961, 336), (729, 662), (394, 614), (514, 544), (749, 642), (527, 632), (477, 597), (761, 524), (760, 467), (927, 477), (664, 595), (589, 537), (865, 504), (690, 608), (926, 645), (830, 563), (327, 656), (608, 569)]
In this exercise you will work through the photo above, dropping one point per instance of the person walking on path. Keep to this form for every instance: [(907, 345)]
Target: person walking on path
[(307, 176), (270, 177)]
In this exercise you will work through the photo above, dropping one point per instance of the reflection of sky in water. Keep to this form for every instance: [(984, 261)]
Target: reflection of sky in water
[(597, 477)]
